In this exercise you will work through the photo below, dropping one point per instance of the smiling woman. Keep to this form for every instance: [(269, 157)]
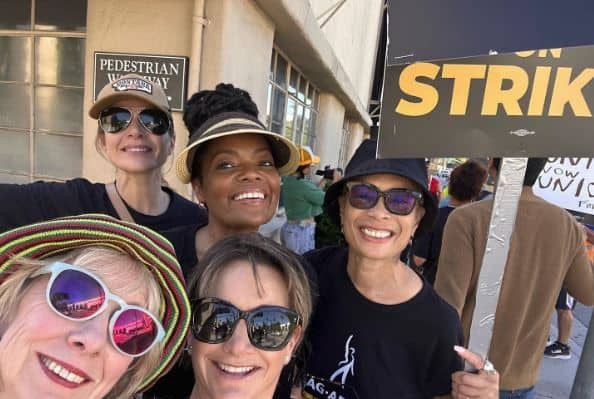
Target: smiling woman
[(90, 307), (136, 135), (234, 164)]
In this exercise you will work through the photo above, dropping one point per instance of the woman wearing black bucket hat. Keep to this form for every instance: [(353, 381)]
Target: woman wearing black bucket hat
[(379, 331)]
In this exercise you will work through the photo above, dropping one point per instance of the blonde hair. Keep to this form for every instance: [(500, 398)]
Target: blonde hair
[(131, 276)]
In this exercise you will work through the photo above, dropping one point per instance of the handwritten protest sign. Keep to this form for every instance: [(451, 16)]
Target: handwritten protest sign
[(568, 183)]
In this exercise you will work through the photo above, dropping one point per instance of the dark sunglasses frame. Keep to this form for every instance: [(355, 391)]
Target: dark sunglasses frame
[(56, 268), (248, 315), (134, 113), (417, 197)]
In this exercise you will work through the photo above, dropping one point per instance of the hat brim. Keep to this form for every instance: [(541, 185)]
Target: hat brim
[(111, 99), (44, 239), (284, 151)]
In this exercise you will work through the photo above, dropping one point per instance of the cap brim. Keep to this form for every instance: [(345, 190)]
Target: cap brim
[(284, 151), (115, 97)]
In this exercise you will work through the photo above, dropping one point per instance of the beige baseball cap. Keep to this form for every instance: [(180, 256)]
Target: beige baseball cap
[(130, 86)]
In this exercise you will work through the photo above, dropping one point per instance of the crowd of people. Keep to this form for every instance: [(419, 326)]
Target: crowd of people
[(112, 290)]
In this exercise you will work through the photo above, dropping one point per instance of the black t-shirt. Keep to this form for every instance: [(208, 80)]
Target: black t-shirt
[(30, 203), (428, 245), (379, 351)]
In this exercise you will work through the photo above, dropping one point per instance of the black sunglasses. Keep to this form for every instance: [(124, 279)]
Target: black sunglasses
[(116, 119), (269, 327), (399, 201)]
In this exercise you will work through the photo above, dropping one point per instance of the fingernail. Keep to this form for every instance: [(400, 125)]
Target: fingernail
[(459, 349)]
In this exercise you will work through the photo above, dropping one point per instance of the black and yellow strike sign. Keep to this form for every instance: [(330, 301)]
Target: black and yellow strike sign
[(529, 103)]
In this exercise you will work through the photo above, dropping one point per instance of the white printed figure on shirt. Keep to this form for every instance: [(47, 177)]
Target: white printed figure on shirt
[(347, 365)]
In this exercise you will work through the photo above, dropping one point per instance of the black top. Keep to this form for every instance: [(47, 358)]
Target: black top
[(378, 351), (428, 245), (39, 201)]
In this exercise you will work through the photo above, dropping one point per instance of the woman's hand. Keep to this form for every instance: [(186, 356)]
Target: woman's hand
[(484, 384)]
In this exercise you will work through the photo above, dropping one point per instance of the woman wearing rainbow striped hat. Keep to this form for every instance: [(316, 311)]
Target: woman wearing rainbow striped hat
[(90, 307)]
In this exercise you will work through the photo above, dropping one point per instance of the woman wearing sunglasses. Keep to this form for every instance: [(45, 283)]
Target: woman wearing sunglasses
[(234, 165), (379, 330), (136, 135), (244, 334), (90, 307)]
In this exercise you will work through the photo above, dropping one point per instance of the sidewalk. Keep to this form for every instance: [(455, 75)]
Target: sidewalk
[(556, 376)]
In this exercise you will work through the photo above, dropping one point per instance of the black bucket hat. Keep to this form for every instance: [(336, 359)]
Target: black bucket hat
[(364, 163)]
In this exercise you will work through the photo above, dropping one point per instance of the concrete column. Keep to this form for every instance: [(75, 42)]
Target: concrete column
[(237, 48), (357, 136), (329, 129)]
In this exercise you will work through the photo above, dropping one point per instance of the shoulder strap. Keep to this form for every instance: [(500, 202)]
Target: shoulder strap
[(118, 204)]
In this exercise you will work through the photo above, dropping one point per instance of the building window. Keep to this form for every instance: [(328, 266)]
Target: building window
[(345, 139), (292, 107), (41, 89)]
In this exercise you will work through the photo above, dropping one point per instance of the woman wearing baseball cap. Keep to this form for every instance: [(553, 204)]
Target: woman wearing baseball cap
[(135, 134), (90, 307), (379, 330)]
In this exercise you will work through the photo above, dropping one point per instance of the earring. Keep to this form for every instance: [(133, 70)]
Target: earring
[(188, 348)]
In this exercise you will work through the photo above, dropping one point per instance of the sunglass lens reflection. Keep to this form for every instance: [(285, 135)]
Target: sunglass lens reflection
[(363, 196), (76, 295), (155, 121), (134, 331), (400, 202), (214, 322), (269, 329), (114, 120)]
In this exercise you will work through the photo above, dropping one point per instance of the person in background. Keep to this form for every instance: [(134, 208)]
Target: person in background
[(466, 181), (136, 135), (546, 252), (303, 201), (235, 166), (244, 358), (90, 307), (379, 330), (327, 233)]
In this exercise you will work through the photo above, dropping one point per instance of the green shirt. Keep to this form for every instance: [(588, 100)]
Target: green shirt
[(301, 198)]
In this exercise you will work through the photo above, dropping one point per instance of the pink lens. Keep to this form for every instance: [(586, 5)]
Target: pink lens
[(134, 331)]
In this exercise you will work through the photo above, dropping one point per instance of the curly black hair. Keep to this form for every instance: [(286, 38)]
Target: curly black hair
[(207, 103), (467, 180)]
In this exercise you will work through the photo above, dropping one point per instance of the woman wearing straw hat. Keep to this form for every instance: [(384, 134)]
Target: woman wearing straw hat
[(136, 135), (380, 331), (234, 165), (302, 201), (90, 307)]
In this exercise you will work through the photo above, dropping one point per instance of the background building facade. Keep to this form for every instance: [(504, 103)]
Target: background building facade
[(308, 65)]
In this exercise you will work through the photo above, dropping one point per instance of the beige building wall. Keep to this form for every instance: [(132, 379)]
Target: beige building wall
[(357, 136), (237, 47), (133, 26), (353, 33)]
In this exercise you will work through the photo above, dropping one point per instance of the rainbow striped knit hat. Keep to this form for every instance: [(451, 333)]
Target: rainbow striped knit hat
[(53, 237)]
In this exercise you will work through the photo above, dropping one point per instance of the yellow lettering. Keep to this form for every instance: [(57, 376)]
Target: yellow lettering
[(508, 98), (539, 91), (462, 75), (555, 53), (427, 94), (566, 91), (525, 54)]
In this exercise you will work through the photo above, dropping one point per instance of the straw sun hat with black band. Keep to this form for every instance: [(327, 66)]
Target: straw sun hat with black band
[(41, 240), (284, 152)]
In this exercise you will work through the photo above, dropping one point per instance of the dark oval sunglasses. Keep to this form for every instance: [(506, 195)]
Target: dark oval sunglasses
[(399, 201), (115, 119), (269, 327), (77, 294)]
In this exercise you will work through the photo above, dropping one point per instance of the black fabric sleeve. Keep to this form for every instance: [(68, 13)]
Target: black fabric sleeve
[(444, 361), (29, 203)]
